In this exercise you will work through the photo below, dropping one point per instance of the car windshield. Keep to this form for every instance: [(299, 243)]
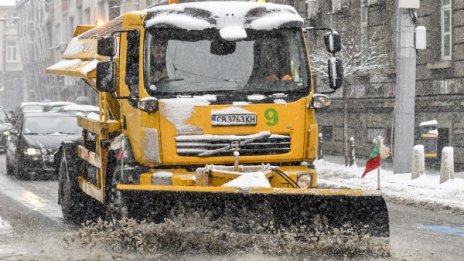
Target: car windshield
[(191, 62), (32, 108), (51, 124)]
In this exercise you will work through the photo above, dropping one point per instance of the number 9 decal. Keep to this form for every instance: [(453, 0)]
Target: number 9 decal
[(271, 116)]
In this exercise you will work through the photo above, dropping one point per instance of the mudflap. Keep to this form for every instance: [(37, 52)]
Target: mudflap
[(315, 214)]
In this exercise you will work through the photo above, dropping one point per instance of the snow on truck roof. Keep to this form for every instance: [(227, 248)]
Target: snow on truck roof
[(204, 15)]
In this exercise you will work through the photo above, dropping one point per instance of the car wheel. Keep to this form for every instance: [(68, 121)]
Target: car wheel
[(20, 173)]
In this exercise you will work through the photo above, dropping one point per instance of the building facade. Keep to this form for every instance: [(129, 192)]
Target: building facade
[(11, 68), (45, 28), (370, 95)]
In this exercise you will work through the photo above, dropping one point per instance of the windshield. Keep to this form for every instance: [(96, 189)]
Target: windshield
[(195, 62), (33, 108), (51, 124)]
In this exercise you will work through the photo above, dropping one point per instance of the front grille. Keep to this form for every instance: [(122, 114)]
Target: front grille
[(192, 145)]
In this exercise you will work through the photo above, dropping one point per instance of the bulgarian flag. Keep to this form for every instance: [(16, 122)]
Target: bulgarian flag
[(374, 160)]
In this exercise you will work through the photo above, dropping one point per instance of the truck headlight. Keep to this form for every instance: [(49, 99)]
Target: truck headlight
[(32, 151), (304, 180)]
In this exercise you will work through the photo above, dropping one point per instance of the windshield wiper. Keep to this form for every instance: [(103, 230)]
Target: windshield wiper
[(247, 139)]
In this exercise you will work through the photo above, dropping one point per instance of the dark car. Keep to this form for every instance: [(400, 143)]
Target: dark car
[(33, 141), (4, 126)]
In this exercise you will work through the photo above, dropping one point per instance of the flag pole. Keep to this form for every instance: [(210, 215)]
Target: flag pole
[(378, 169)]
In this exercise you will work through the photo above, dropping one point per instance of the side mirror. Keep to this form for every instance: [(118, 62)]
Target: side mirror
[(333, 42), (106, 76), (107, 46), (335, 72), (222, 47)]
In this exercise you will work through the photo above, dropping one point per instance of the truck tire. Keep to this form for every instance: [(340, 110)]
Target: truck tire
[(116, 207), (71, 198)]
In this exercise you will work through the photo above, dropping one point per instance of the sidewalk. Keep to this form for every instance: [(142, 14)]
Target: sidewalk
[(425, 191)]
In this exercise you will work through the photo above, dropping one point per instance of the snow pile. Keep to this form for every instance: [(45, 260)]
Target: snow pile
[(425, 190), (231, 110), (249, 181)]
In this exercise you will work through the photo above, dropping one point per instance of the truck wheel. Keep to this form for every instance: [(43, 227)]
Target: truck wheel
[(71, 198), (117, 207)]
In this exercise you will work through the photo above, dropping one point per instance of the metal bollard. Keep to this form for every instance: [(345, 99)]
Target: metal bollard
[(352, 157), (320, 155)]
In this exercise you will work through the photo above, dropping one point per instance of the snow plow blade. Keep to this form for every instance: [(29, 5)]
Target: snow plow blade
[(316, 211)]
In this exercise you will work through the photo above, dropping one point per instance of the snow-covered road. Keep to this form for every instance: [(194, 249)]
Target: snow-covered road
[(34, 230)]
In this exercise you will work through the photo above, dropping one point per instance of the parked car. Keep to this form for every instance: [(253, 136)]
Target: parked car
[(79, 109), (34, 140), (56, 105), (4, 126)]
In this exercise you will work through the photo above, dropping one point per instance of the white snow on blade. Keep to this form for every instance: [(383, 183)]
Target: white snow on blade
[(74, 47), (231, 110), (90, 66), (273, 21), (179, 110), (433, 132), (249, 181), (425, 189), (232, 33), (426, 123), (180, 20), (64, 64), (163, 174), (256, 97)]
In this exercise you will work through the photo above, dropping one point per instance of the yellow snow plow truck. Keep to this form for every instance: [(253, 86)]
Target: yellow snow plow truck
[(205, 106)]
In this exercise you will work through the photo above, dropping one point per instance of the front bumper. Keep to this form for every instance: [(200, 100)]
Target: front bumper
[(39, 165)]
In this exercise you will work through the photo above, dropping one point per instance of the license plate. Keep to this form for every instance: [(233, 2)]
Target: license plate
[(233, 119)]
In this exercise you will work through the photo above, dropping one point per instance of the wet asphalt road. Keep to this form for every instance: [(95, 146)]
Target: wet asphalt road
[(32, 228)]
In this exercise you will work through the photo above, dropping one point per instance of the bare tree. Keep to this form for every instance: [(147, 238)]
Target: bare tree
[(359, 58)]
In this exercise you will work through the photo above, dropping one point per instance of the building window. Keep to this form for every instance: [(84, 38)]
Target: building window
[(446, 34), (313, 8), (327, 133), (12, 52), (336, 6)]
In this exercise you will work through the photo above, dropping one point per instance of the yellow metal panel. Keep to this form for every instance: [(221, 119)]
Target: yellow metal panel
[(99, 127), (89, 156), (82, 29), (313, 137), (323, 192), (74, 68), (145, 179), (183, 180), (291, 121), (91, 190)]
